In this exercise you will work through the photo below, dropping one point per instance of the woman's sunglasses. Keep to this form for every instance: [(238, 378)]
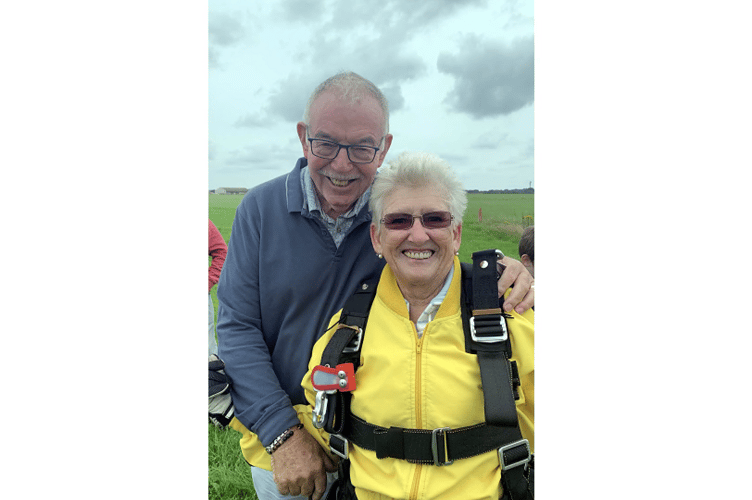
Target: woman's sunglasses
[(431, 220)]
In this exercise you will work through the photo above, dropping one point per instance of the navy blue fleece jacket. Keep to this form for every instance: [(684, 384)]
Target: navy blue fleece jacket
[(282, 281)]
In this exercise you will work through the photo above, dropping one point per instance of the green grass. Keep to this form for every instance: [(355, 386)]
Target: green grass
[(229, 474), (222, 212), (504, 218)]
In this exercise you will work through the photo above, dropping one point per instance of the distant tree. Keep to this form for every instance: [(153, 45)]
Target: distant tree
[(528, 190)]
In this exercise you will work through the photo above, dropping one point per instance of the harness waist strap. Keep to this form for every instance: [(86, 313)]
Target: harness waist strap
[(426, 446)]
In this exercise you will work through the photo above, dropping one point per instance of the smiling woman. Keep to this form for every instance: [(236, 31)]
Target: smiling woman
[(419, 252), (414, 358)]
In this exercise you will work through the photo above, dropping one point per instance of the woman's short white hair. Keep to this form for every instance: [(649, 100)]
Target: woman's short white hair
[(417, 170)]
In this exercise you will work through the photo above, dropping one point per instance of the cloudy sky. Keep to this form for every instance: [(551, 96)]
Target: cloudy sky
[(458, 75)]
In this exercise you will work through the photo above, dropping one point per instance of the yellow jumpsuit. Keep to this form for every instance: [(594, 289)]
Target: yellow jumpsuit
[(426, 383)]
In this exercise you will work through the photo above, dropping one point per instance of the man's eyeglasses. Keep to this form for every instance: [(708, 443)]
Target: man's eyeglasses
[(329, 151), (431, 220)]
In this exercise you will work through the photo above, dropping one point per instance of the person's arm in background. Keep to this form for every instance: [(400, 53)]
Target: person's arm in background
[(218, 253), (522, 295)]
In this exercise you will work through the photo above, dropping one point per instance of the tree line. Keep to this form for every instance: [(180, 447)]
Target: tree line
[(503, 191)]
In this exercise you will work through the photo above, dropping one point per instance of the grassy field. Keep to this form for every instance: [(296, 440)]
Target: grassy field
[(504, 218)]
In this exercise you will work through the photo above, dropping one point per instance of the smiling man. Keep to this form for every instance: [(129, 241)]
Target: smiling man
[(300, 246), (337, 122)]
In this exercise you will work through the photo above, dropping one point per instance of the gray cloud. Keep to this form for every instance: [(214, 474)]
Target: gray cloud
[(251, 120), (388, 13), (290, 97), (394, 97), (300, 10), (225, 29), (386, 67), (491, 79), (264, 156), (405, 17), (375, 47), (490, 140)]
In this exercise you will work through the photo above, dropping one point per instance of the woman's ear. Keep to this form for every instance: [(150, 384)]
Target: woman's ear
[(375, 238), (457, 238)]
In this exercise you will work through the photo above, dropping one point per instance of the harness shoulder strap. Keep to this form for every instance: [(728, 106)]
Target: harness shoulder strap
[(486, 335), (332, 409)]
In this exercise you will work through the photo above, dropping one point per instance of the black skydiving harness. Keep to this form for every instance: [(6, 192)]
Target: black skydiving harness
[(486, 335)]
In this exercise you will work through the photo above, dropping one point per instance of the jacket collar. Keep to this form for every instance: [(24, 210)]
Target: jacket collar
[(390, 293), (293, 187)]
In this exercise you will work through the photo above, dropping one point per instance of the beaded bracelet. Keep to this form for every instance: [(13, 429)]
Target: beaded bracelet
[(282, 438)]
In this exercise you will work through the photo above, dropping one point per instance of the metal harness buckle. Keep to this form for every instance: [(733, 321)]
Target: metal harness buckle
[(340, 441), (523, 461), (487, 340), (354, 344), (435, 446)]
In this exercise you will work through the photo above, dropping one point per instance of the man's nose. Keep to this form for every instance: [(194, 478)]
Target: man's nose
[(341, 161)]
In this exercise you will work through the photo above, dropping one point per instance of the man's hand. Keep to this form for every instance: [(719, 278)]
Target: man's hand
[(300, 466), (522, 296)]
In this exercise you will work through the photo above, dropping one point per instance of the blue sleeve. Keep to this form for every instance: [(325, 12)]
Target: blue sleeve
[(260, 402)]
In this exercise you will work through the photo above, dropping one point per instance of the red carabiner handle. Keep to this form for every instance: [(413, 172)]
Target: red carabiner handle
[(340, 378)]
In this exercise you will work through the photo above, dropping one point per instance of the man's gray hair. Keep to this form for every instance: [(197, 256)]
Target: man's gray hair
[(349, 85), (417, 170)]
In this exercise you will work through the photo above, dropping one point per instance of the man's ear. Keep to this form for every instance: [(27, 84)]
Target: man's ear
[(525, 259), (385, 149), (302, 129)]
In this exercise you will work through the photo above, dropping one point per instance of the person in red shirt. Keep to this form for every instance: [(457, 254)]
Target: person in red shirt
[(217, 252)]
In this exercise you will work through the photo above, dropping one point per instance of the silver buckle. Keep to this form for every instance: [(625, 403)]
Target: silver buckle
[(524, 461), (345, 446), (319, 411), (357, 339), (487, 340), (435, 446)]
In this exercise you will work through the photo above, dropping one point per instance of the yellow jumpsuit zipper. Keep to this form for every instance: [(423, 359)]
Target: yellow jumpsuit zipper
[(418, 412)]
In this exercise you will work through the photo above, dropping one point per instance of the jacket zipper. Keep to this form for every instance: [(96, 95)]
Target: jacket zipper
[(418, 410)]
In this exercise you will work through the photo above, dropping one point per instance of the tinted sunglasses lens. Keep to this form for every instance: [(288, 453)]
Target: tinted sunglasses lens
[(397, 221), (436, 220)]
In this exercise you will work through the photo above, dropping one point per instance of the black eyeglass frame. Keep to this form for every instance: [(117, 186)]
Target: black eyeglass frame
[(346, 148), (413, 217)]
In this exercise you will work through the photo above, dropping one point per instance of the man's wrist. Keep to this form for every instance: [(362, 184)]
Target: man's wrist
[(282, 438)]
